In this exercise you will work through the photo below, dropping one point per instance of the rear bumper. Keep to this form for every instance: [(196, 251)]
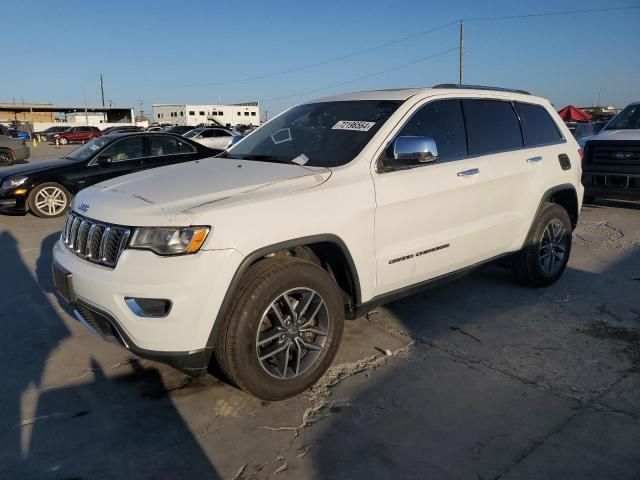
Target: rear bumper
[(612, 185), (22, 152)]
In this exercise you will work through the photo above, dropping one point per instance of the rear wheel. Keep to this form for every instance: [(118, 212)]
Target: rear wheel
[(63, 141), (49, 200), (6, 158), (546, 252), (282, 330)]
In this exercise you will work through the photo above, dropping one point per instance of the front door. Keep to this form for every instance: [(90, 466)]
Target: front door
[(126, 157), (438, 218)]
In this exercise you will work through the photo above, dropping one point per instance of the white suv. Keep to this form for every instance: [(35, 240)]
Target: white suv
[(253, 259)]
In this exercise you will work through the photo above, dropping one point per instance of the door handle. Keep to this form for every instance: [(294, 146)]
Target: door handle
[(534, 159), (471, 171)]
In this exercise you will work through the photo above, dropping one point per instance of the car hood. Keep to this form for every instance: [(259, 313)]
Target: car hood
[(27, 168), (626, 134), (181, 194)]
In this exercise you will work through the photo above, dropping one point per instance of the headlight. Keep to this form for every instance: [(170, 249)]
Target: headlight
[(169, 241), (13, 182)]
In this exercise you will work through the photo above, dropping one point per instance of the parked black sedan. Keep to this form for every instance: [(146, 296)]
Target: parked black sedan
[(46, 187)]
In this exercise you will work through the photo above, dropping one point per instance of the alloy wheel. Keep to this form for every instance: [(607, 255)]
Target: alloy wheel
[(5, 158), (292, 333), (51, 201), (553, 248)]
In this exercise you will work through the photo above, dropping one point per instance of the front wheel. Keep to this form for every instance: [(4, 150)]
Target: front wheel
[(49, 200), (546, 252), (63, 141), (282, 330)]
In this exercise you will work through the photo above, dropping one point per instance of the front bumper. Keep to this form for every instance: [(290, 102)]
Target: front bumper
[(612, 185), (195, 284), (12, 203)]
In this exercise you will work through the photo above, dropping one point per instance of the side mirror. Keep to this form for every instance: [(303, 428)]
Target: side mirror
[(105, 160), (417, 150), (408, 152)]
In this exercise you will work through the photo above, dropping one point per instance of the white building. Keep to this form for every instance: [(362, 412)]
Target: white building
[(227, 115)]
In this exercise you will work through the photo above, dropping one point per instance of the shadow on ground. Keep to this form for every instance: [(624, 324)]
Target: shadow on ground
[(501, 381), (121, 426)]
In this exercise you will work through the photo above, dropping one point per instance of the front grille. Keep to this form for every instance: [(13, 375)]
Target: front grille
[(94, 241), (613, 153)]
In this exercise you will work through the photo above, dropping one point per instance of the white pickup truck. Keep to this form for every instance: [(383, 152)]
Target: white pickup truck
[(254, 258)]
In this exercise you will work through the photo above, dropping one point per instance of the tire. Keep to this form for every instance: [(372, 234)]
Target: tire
[(6, 158), (63, 141), (49, 200), (546, 253), (251, 332)]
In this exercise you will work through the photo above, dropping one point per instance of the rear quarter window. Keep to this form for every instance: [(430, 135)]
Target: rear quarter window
[(538, 127), (492, 126)]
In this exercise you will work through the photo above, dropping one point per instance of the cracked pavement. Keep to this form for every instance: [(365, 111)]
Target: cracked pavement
[(480, 378)]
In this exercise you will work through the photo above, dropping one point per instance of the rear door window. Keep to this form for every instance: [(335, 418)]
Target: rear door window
[(441, 120), (161, 146), (538, 127), (492, 126)]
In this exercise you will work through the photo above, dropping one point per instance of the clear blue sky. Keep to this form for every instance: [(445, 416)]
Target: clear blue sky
[(176, 52)]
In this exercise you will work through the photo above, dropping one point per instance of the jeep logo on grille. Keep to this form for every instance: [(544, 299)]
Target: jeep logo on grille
[(83, 207), (622, 155)]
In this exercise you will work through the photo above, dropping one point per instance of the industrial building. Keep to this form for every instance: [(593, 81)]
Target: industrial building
[(192, 114), (39, 116)]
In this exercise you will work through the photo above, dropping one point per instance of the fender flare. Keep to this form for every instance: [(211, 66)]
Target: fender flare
[(266, 250)]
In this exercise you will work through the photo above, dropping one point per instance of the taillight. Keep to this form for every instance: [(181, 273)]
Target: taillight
[(581, 153)]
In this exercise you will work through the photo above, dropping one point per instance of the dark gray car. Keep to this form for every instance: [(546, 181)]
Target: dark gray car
[(11, 149)]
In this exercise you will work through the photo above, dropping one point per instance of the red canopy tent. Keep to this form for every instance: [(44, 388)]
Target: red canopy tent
[(573, 114)]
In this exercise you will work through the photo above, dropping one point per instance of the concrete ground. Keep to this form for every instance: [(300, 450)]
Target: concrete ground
[(481, 378)]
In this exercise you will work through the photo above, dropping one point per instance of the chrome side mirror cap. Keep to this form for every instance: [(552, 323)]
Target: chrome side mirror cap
[(415, 149), (409, 152)]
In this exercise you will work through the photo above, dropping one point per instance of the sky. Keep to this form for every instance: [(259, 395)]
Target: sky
[(233, 51)]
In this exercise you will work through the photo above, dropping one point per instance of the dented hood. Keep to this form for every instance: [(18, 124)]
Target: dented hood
[(180, 194)]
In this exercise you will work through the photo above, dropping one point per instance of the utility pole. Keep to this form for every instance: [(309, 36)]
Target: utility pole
[(104, 114), (102, 89), (461, 51)]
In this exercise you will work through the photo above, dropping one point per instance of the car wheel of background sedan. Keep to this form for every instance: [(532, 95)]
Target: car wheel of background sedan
[(63, 141), (49, 200), (6, 158)]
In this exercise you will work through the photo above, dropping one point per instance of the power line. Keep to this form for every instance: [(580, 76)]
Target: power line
[(328, 61), (364, 77), (549, 14), (404, 39)]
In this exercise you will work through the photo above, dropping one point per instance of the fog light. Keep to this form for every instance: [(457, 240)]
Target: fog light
[(149, 307)]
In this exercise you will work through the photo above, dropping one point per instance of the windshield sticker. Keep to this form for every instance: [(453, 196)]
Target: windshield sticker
[(356, 125), (301, 159), (94, 147), (281, 136)]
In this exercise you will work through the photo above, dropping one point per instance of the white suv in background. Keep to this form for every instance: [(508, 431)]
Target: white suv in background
[(253, 259)]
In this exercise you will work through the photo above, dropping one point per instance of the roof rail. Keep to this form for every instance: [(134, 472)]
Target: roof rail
[(480, 87)]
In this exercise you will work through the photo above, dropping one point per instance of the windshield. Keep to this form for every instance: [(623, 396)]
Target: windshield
[(627, 119), (88, 149), (326, 134)]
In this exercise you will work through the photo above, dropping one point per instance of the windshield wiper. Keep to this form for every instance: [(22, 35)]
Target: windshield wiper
[(264, 158)]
